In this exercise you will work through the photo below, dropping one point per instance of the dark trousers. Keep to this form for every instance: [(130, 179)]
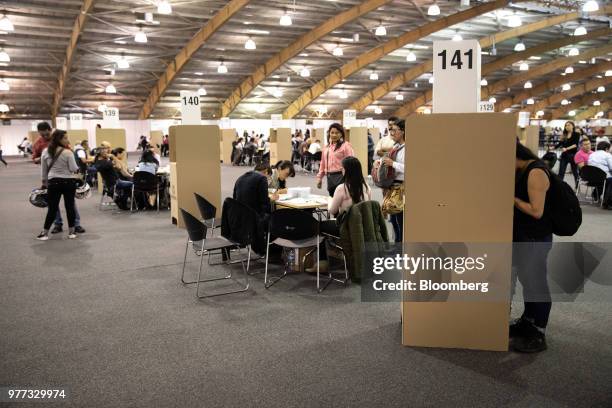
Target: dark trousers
[(397, 221), (529, 261), (328, 227), (2, 159), (58, 187), (565, 160)]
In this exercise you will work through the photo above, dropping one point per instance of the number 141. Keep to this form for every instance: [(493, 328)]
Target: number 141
[(456, 60)]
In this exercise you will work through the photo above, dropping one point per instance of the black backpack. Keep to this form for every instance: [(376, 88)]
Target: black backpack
[(565, 211)]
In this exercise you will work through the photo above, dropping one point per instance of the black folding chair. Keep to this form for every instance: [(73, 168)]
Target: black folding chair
[(144, 182), (293, 229), (197, 238), (594, 178), (208, 212)]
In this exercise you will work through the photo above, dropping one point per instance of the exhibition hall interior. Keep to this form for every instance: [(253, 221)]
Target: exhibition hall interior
[(287, 203)]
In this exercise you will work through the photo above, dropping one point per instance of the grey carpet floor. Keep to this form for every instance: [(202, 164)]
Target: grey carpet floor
[(106, 317)]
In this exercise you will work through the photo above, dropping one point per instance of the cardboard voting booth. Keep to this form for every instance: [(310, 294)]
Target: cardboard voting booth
[(155, 138), (280, 145), (450, 198), (529, 136), (320, 135), (358, 138), (194, 168), (32, 136), (227, 137), (77, 136)]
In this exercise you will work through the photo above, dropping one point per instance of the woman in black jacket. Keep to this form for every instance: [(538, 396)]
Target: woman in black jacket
[(569, 146)]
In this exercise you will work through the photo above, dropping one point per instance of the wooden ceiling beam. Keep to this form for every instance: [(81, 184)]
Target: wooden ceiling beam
[(185, 54), (592, 111), (586, 100)]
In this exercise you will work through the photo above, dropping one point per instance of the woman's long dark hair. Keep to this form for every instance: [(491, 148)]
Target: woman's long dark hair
[(340, 129), (148, 157), (524, 153), (353, 179), (285, 164), (56, 138), (565, 133)]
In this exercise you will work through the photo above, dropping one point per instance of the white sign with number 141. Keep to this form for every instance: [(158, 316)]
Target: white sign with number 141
[(456, 70)]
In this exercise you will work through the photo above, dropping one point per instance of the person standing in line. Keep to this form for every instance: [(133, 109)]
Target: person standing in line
[(386, 142), (395, 159), (44, 130), (331, 158), (532, 229), (569, 146), (58, 177), (1, 158)]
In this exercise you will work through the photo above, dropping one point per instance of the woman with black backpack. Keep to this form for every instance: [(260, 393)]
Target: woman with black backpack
[(532, 235)]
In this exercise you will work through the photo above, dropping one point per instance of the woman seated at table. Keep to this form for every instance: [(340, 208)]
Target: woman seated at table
[(353, 190), (120, 164), (148, 163), (280, 173)]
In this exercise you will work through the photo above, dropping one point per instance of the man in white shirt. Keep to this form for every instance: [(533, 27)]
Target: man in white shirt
[(314, 147), (602, 159), (386, 143)]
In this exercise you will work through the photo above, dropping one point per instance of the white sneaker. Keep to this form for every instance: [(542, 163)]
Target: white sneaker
[(42, 237), (72, 236)]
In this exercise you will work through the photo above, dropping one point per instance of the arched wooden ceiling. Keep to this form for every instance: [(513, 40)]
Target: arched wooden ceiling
[(386, 48), (586, 100), (577, 90), (592, 111), (267, 69), (185, 54)]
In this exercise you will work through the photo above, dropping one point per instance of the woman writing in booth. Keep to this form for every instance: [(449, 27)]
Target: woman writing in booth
[(280, 173), (331, 159)]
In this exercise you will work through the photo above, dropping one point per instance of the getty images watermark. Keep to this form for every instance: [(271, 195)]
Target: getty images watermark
[(487, 272)]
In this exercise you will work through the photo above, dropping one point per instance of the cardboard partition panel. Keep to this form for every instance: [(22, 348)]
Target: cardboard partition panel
[(529, 136), (450, 198), (280, 145), (358, 138), (195, 168), (320, 135), (32, 136), (116, 138), (375, 132), (155, 138), (227, 137), (608, 131), (77, 136)]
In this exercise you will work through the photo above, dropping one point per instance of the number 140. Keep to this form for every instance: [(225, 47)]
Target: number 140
[(456, 60)]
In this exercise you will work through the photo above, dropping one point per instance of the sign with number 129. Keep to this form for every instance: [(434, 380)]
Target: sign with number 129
[(456, 69)]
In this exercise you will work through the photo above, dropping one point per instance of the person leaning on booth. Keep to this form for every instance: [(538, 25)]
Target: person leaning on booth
[(331, 159)]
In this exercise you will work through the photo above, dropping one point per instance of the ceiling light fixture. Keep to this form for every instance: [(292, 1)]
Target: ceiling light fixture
[(4, 86), (277, 93), (564, 102), (569, 70), (580, 30), (4, 108), (528, 85), (431, 79), (524, 67), (484, 82), (457, 37), (380, 31), (4, 57), (540, 113), (222, 69), (530, 101), (573, 52), (520, 46), (140, 36), (507, 110), (285, 19), (250, 44), (304, 73), (123, 63), (202, 91), (356, 37), (601, 89), (337, 51), (411, 57), (110, 88), (427, 111), (399, 97), (514, 21), (596, 103), (492, 99), (590, 5), (599, 114), (6, 24), (608, 73), (343, 94), (377, 110), (571, 113), (433, 10), (288, 79), (164, 7), (566, 87), (374, 76)]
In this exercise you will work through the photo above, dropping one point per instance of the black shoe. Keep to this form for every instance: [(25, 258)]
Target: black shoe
[(520, 327), (79, 230), (57, 229), (533, 342)]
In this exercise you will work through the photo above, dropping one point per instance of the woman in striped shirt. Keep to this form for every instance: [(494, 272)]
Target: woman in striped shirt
[(331, 159)]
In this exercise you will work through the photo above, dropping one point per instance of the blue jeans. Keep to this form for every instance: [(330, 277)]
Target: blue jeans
[(397, 221), (77, 217)]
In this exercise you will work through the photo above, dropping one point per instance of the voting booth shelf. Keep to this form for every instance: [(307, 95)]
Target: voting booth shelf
[(194, 168), (280, 145), (471, 204)]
